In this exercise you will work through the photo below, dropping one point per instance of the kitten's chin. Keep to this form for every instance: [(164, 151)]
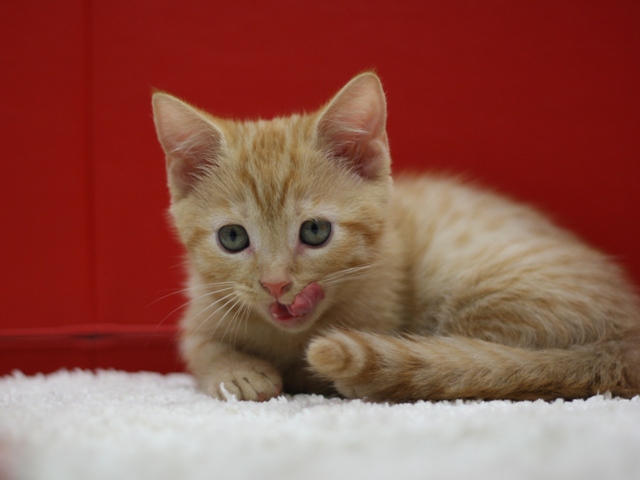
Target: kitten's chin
[(299, 314)]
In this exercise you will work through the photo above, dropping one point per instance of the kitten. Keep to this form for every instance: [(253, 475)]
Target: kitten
[(311, 271)]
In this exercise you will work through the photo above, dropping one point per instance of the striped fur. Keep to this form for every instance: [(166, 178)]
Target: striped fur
[(432, 288)]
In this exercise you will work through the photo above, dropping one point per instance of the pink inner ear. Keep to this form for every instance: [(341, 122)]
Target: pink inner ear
[(191, 143), (365, 156), (353, 127)]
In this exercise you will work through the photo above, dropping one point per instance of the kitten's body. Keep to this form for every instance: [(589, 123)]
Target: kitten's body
[(426, 289)]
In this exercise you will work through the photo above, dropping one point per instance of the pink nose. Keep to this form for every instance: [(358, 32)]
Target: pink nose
[(277, 288)]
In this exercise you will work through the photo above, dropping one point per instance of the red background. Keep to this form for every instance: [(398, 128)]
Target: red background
[(540, 100)]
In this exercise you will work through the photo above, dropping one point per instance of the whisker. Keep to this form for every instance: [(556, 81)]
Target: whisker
[(246, 317), (191, 301), (216, 311), (337, 281), (346, 274), (347, 270), (223, 317), (234, 318), (244, 309), (175, 335), (189, 288)]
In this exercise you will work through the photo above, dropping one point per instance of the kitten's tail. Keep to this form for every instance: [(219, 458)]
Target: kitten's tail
[(411, 368)]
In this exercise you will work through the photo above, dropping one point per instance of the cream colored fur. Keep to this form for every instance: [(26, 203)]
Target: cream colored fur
[(432, 288)]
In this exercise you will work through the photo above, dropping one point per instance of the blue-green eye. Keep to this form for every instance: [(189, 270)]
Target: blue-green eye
[(233, 237), (315, 232)]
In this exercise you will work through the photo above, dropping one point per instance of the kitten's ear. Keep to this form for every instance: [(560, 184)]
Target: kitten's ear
[(191, 142), (352, 127)]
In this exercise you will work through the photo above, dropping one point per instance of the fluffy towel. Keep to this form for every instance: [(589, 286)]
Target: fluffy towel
[(117, 425)]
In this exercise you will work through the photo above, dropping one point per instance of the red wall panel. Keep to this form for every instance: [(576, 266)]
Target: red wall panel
[(539, 100), (45, 190)]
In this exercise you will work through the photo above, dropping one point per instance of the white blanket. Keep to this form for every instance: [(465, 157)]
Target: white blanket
[(117, 425)]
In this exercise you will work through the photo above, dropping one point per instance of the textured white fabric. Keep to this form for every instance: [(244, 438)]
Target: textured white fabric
[(117, 425)]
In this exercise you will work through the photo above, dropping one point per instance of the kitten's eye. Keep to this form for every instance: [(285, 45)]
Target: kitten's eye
[(233, 237), (315, 232)]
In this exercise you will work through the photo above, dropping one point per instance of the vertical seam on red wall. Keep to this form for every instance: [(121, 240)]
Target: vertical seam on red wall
[(90, 169)]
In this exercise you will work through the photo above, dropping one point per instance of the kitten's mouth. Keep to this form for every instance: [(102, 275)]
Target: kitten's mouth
[(297, 312)]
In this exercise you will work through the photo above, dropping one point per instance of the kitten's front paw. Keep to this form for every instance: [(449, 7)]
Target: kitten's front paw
[(255, 381), (342, 358)]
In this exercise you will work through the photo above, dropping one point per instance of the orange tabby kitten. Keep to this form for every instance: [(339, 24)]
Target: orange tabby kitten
[(311, 271)]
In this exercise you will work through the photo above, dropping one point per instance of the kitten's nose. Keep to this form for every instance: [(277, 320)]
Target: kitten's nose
[(277, 288)]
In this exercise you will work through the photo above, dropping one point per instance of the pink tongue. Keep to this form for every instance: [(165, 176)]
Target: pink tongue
[(306, 300)]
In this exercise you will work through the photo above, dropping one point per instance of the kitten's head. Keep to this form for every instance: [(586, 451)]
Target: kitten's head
[(280, 215)]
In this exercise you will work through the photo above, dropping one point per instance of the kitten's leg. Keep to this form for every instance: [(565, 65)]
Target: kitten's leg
[(216, 364), (389, 368)]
